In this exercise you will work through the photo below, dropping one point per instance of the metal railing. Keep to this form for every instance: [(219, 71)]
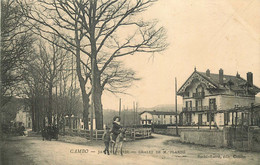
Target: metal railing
[(199, 108)]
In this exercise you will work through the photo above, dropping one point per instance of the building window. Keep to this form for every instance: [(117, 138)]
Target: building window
[(158, 116), (210, 115), (164, 116), (188, 105), (212, 104), (200, 119), (226, 118)]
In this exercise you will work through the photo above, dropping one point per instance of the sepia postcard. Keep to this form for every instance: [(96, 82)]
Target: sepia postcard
[(130, 82)]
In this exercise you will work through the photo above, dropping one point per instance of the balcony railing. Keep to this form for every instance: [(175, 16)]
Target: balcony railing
[(198, 95), (199, 108)]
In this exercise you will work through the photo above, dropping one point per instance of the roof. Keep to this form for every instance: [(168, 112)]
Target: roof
[(159, 112), (235, 83)]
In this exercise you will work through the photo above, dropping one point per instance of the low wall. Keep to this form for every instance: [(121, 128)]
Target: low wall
[(247, 140), (203, 137), (254, 139), (172, 130)]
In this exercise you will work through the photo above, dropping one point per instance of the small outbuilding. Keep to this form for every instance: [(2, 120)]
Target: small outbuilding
[(157, 117)]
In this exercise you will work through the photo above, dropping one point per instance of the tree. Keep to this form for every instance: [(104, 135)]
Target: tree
[(53, 62), (16, 45), (94, 28), (41, 75)]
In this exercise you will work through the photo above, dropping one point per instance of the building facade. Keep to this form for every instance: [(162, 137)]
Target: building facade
[(214, 98), (157, 117), (23, 116)]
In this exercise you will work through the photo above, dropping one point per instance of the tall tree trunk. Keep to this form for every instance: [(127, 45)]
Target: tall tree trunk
[(69, 116), (98, 103), (86, 107), (38, 113), (49, 115), (95, 73), (33, 114), (98, 110), (82, 82), (58, 121)]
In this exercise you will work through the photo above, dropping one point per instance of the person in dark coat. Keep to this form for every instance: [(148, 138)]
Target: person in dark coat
[(49, 132), (55, 131), (106, 139), (115, 128)]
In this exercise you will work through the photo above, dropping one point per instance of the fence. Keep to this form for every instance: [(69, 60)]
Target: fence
[(139, 133), (131, 133)]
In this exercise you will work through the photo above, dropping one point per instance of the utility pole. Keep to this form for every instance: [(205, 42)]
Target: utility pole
[(120, 108), (124, 116), (129, 123), (134, 111), (136, 105), (176, 107)]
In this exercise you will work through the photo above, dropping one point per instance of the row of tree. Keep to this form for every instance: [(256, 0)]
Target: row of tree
[(94, 32), (32, 68)]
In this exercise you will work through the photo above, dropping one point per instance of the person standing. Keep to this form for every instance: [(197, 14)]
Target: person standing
[(106, 139), (116, 128)]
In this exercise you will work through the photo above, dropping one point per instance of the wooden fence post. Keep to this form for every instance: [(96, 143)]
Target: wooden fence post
[(96, 135), (232, 118), (134, 133)]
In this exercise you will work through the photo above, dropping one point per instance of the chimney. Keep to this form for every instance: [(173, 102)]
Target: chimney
[(208, 73), (221, 76), (250, 78), (238, 75)]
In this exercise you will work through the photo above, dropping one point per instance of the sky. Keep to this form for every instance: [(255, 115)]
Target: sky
[(206, 34)]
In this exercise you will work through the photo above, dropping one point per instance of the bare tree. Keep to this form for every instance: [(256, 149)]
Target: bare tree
[(40, 76), (16, 45), (116, 78), (99, 29), (52, 62)]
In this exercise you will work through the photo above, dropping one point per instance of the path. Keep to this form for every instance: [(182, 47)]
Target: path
[(158, 150)]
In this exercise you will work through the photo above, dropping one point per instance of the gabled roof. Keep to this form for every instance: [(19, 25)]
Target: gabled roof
[(195, 74), (159, 112), (235, 83)]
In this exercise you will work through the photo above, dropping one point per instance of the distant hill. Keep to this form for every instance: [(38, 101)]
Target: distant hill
[(167, 107)]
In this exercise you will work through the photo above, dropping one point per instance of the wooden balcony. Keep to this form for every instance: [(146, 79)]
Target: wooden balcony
[(198, 95)]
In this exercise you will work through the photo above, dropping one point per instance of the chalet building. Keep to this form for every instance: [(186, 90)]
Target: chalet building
[(157, 117), (216, 98)]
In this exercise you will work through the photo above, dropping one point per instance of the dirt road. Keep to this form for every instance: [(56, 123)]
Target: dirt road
[(158, 150)]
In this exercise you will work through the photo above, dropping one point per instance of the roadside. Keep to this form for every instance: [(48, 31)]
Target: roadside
[(158, 150)]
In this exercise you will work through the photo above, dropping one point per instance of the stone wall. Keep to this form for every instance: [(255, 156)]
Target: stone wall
[(254, 139), (203, 137), (246, 140)]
